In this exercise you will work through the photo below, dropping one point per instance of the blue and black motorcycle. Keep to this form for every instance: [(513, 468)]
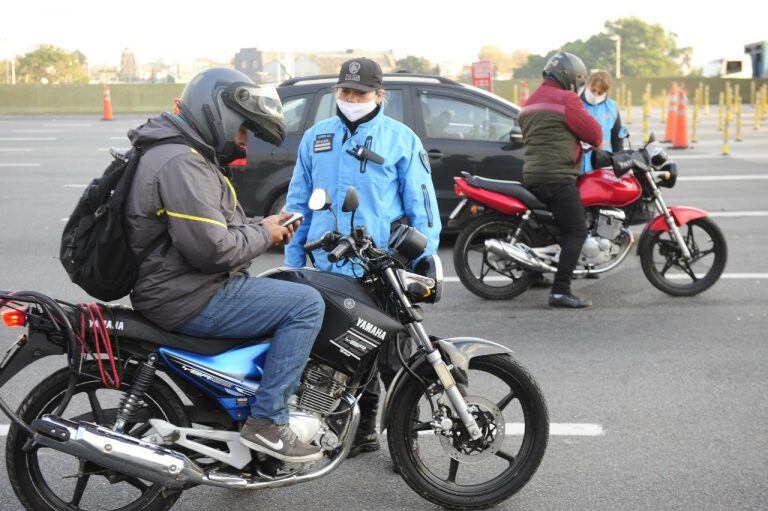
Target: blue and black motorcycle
[(467, 425)]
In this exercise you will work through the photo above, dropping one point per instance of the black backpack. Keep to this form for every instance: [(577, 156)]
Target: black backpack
[(94, 246)]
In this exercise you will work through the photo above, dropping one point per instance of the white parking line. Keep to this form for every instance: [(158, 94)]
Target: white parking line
[(734, 214), (734, 177), (67, 125), (729, 276), (4, 429), (118, 149), (27, 139), (75, 186), (20, 164), (36, 131), (15, 149), (119, 138)]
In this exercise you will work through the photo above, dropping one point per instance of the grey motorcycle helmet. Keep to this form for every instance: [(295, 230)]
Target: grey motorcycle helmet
[(217, 101), (568, 70)]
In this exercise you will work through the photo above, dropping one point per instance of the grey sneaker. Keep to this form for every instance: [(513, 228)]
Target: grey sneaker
[(278, 441)]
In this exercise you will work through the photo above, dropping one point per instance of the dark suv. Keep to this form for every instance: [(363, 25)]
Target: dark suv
[(463, 128)]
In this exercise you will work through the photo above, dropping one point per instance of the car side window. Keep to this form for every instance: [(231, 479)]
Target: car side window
[(293, 110), (457, 119), (393, 106)]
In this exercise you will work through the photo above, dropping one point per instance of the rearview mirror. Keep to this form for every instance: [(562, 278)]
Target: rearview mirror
[(515, 139), (351, 200), (319, 200)]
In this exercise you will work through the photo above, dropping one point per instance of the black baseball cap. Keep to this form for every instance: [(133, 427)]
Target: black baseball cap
[(362, 74)]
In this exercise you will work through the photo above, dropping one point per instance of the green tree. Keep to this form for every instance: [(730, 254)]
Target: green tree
[(646, 50), (49, 64), (413, 64)]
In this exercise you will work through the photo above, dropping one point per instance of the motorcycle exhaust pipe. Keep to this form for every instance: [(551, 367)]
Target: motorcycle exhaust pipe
[(520, 254), (122, 453)]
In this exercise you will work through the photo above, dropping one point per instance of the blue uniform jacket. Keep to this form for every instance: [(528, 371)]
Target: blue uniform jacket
[(401, 186), (607, 114)]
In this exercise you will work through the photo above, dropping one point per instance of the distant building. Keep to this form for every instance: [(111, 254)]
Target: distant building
[(128, 67), (759, 54), (279, 66), (249, 61)]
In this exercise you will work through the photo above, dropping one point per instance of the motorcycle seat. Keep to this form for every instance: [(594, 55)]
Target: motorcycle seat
[(126, 323), (512, 188)]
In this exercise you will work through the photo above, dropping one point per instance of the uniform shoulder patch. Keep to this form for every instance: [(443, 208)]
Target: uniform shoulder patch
[(424, 157)]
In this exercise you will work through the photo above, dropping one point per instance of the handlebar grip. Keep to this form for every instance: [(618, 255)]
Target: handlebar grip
[(338, 252), (313, 245)]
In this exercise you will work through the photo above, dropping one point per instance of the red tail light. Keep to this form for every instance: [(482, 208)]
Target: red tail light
[(12, 317), (238, 163), (458, 191)]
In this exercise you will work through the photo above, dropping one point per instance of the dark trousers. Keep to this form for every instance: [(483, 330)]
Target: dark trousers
[(564, 201), (388, 365)]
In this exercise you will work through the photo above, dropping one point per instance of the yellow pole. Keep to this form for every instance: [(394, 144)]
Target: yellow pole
[(720, 105), (752, 92), (516, 95), (765, 101), (726, 131), (646, 116), (706, 100), (694, 135), (758, 102), (738, 119), (629, 107)]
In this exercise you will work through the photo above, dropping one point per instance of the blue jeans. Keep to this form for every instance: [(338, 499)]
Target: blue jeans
[(251, 307)]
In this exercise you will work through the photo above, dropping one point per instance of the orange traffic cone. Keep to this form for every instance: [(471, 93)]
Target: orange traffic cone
[(107, 103), (523, 93), (669, 133), (680, 139)]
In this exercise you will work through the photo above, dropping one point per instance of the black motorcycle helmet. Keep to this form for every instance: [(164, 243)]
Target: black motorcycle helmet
[(568, 70), (218, 101)]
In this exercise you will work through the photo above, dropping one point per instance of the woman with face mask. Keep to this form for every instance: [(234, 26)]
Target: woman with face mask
[(605, 110), (393, 181)]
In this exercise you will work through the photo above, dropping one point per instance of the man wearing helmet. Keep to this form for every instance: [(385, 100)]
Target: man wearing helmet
[(554, 124), (195, 279)]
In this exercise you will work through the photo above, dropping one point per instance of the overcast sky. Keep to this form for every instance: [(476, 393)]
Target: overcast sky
[(441, 31)]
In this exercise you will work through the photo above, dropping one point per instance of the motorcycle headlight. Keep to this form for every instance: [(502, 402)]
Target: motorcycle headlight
[(432, 268)]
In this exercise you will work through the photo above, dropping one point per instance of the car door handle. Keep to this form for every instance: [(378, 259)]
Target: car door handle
[(435, 153)]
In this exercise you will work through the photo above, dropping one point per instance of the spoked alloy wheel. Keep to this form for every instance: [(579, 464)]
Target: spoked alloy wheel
[(48, 480), (665, 267), (483, 273), (454, 471)]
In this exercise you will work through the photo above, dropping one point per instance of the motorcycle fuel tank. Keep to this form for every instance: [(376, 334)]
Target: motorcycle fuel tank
[(353, 327), (602, 188)]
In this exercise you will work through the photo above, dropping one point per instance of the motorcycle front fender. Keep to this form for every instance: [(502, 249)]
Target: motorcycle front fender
[(681, 214), (457, 351)]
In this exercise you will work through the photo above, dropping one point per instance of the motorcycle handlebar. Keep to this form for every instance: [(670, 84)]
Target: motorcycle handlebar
[(314, 245), (341, 249)]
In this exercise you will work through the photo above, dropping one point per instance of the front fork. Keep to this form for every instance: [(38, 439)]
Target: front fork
[(662, 206), (417, 332)]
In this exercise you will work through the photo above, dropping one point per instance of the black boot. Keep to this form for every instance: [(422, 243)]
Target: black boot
[(568, 301), (366, 438)]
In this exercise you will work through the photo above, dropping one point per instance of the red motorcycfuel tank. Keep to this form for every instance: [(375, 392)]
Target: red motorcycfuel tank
[(602, 188)]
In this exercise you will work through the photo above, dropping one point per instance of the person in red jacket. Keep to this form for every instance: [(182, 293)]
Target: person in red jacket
[(554, 124)]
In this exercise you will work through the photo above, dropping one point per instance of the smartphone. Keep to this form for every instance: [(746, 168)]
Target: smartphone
[(294, 218)]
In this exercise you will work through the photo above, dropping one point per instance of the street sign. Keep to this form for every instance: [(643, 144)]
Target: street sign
[(482, 75)]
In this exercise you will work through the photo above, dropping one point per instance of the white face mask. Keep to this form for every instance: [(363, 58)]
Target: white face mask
[(355, 111), (592, 99)]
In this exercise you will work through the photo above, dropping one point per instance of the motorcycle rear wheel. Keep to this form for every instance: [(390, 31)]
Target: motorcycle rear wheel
[(40, 476), (423, 465), (469, 246)]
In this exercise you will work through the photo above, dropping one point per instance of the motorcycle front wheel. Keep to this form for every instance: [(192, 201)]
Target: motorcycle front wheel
[(450, 469), (665, 267), (48, 480)]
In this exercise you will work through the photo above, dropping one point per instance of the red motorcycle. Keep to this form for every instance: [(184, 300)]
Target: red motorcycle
[(513, 236)]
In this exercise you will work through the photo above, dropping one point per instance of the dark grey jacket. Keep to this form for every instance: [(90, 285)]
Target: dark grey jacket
[(179, 194)]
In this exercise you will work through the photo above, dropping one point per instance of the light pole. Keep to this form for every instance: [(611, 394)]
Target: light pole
[(617, 39)]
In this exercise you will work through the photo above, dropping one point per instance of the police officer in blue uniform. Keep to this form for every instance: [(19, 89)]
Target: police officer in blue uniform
[(606, 111), (397, 187)]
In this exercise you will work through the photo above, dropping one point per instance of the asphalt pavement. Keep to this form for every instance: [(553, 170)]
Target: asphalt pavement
[(673, 391)]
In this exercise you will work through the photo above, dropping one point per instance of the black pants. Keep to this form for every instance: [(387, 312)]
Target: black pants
[(388, 366), (564, 201)]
